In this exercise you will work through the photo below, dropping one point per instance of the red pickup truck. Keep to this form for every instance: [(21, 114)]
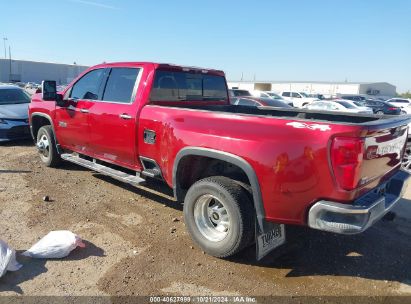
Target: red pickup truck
[(242, 172)]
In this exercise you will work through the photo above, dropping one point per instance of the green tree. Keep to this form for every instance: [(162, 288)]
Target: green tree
[(405, 95)]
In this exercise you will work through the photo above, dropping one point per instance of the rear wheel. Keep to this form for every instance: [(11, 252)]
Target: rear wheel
[(47, 147), (219, 216), (380, 113)]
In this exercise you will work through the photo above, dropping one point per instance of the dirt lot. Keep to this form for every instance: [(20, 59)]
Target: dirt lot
[(132, 249)]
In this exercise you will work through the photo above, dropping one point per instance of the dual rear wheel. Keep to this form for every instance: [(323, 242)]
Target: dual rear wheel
[(219, 216)]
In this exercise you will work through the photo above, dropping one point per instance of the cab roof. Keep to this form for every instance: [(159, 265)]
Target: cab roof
[(167, 66)]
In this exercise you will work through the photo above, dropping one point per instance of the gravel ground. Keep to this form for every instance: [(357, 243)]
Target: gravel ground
[(137, 243)]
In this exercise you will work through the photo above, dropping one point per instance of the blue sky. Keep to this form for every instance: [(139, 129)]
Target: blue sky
[(332, 40)]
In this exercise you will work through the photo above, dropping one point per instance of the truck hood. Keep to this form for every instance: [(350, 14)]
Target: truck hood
[(14, 111)]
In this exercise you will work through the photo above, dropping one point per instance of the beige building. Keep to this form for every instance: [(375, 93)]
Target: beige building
[(33, 71)]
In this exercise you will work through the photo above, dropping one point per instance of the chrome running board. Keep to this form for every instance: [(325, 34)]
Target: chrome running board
[(93, 165)]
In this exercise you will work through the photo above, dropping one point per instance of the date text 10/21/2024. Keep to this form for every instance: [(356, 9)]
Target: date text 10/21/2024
[(202, 299)]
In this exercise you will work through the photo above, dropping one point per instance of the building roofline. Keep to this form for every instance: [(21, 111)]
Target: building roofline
[(316, 82), (33, 61)]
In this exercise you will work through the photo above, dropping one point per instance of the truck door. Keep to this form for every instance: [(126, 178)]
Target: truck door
[(72, 122), (113, 119)]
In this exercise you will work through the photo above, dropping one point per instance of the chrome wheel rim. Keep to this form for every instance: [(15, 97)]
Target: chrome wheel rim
[(43, 146), (212, 218), (406, 160)]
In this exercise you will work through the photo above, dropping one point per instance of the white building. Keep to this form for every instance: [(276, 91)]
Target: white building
[(328, 89), (32, 71)]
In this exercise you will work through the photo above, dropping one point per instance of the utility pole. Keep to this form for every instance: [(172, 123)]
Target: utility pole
[(4, 42), (10, 64)]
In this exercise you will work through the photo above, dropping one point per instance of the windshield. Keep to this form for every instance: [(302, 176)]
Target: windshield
[(274, 96), (359, 104), (241, 93), (303, 94), (186, 86), (346, 104), (275, 103), (13, 96)]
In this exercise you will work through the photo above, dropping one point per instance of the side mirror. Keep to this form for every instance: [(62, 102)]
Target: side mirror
[(60, 102), (49, 90)]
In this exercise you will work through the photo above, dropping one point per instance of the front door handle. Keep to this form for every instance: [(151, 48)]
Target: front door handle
[(125, 116), (84, 110)]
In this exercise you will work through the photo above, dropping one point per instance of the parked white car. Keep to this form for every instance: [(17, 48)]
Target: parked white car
[(338, 105), (403, 103), (299, 99)]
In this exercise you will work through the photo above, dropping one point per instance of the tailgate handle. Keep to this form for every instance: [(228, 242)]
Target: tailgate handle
[(84, 111), (125, 116)]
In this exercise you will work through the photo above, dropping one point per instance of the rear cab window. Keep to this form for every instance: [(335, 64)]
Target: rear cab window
[(172, 86)]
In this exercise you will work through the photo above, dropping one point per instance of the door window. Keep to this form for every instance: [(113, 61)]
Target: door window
[(120, 85), (88, 86), (286, 94), (296, 95)]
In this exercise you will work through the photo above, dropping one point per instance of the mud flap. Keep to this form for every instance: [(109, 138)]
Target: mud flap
[(273, 237)]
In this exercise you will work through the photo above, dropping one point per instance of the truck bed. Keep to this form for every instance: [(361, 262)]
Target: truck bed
[(312, 115)]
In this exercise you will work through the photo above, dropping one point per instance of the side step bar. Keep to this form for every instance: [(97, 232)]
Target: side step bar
[(119, 175)]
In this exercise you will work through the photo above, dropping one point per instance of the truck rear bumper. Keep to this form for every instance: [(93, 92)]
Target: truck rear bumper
[(363, 213)]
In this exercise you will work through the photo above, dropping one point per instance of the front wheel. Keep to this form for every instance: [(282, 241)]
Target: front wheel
[(406, 160), (219, 216), (47, 147)]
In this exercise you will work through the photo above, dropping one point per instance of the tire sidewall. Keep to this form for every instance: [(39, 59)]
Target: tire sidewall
[(226, 245)]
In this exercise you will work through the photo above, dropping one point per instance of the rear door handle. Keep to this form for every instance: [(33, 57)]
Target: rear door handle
[(125, 116), (84, 110)]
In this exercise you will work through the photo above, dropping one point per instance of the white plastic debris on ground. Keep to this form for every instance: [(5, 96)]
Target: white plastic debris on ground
[(7, 259), (55, 245)]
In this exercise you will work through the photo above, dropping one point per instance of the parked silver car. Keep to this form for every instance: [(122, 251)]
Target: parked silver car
[(14, 122)]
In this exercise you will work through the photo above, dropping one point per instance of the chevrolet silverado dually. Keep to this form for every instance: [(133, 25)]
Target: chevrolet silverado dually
[(241, 172)]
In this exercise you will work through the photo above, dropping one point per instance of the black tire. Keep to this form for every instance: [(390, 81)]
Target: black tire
[(235, 200), (380, 113), (50, 156)]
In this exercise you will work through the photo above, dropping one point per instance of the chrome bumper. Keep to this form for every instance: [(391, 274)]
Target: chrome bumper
[(363, 213)]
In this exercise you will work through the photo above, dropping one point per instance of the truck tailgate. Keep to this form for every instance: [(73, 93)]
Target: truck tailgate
[(383, 152)]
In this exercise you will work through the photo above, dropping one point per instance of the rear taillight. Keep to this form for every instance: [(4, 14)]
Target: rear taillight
[(346, 158), (392, 109)]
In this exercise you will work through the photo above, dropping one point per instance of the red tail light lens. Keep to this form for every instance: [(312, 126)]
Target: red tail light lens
[(346, 158), (392, 109)]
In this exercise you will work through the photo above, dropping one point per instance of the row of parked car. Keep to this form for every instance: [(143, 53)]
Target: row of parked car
[(344, 103), (14, 101)]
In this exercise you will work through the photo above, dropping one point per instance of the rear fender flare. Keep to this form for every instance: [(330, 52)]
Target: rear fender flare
[(230, 158)]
